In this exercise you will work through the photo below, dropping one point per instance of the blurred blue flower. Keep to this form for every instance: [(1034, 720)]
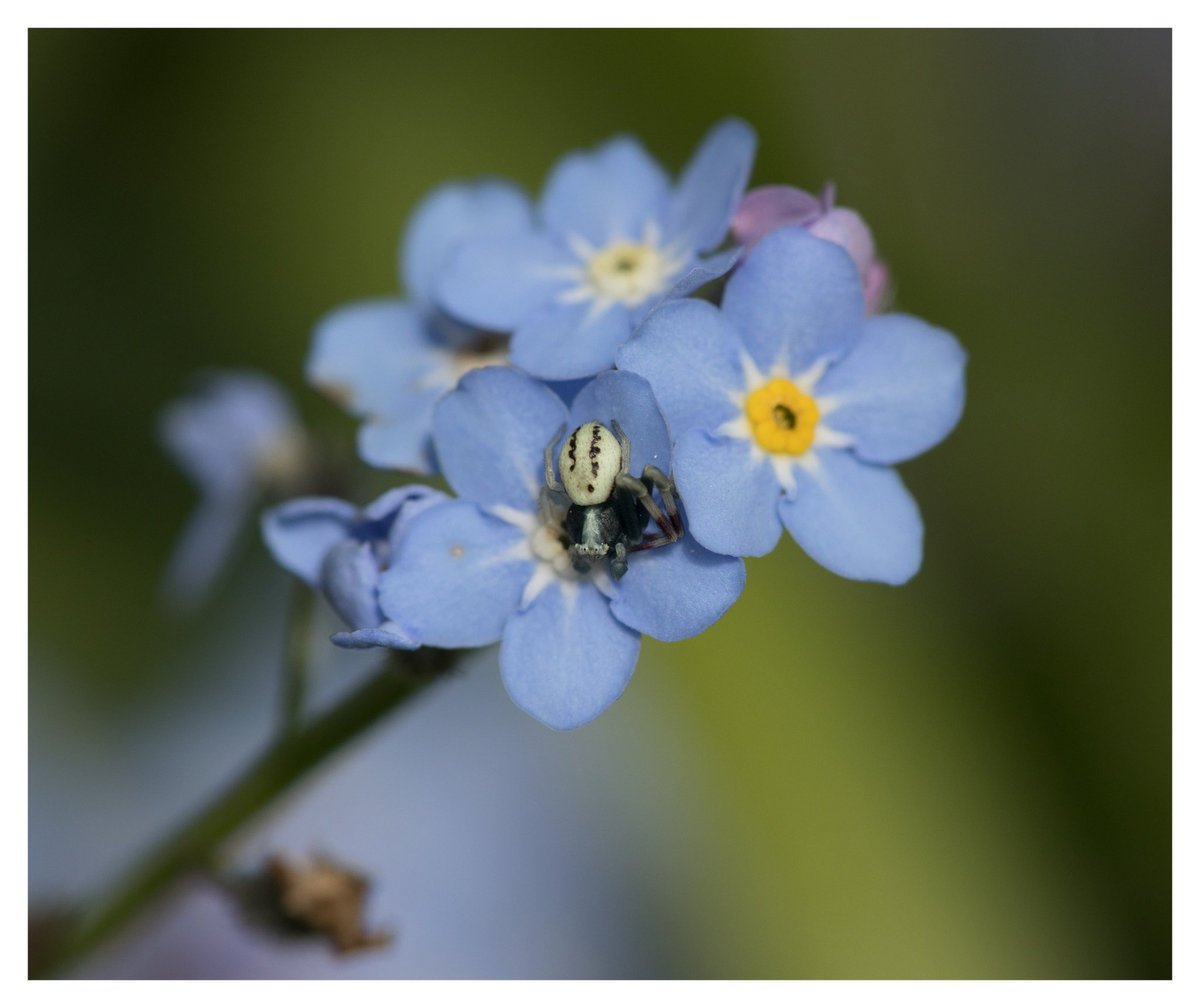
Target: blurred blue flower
[(386, 360), (234, 437), (493, 566), (612, 238), (341, 550), (788, 407)]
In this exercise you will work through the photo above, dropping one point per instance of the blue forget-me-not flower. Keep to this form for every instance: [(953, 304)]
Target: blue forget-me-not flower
[(610, 239), (341, 551), (235, 436), (789, 407), (388, 360), (494, 565)]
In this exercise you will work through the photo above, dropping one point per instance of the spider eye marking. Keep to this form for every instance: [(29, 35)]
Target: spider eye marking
[(591, 483)]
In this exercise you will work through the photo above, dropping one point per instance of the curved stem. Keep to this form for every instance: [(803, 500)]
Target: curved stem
[(194, 846)]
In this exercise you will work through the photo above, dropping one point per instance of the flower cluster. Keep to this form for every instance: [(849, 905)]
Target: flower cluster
[(614, 443)]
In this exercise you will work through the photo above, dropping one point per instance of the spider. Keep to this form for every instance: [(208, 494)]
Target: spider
[(609, 507)]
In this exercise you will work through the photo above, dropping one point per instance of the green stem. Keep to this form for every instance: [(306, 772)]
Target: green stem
[(194, 846), (296, 650)]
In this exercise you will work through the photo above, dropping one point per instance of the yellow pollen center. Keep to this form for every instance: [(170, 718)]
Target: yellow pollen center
[(628, 272), (548, 546), (783, 419)]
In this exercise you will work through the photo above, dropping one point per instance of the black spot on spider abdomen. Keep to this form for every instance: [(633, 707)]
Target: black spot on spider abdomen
[(594, 451), (571, 448)]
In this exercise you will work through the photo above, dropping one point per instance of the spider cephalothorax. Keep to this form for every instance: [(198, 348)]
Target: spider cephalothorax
[(609, 506)]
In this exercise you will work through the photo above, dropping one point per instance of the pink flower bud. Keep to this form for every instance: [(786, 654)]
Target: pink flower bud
[(764, 209)]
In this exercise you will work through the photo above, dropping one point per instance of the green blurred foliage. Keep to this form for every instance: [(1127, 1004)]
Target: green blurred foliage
[(966, 777)]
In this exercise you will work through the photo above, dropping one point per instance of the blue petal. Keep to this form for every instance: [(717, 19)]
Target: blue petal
[(565, 341), (794, 300), (387, 634), (496, 283), (565, 659), (856, 519), (450, 215), (405, 504), (689, 354), (711, 186), (456, 576), (704, 271), (350, 580), (378, 516), (369, 356), (491, 432), (404, 439), (731, 498), (678, 590), (299, 533), (603, 195), (628, 399), (899, 391)]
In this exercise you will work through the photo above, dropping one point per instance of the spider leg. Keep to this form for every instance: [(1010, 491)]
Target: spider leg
[(646, 499), (618, 565), (548, 509), (623, 441), (652, 542), (551, 482), (666, 487)]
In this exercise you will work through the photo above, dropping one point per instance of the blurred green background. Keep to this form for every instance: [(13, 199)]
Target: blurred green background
[(966, 777)]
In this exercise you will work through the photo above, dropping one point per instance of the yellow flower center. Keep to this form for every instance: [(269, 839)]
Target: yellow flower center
[(783, 419), (628, 272), (281, 462)]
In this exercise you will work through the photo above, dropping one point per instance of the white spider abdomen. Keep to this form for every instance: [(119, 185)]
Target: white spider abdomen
[(589, 463)]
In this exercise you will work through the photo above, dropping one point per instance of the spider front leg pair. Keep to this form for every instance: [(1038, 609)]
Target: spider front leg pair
[(609, 506)]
